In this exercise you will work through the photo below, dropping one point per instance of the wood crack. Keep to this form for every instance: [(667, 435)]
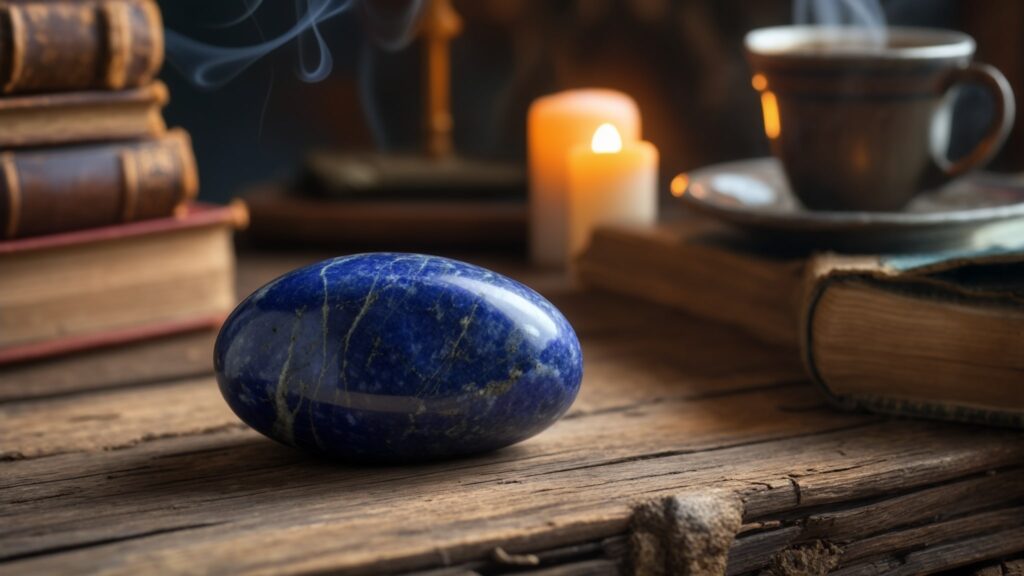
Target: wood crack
[(105, 541), (796, 489)]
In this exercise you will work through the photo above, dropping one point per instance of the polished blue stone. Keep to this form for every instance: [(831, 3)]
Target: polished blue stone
[(397, 357)]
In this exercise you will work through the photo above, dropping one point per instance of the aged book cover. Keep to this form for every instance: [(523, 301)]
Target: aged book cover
[(702, 268), (73, 117), (105, 287), (60, 45), (61, 189), (391, 177), (280, 216), (936, 336)]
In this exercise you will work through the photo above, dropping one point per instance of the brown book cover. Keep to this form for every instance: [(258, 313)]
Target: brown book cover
[(53, 46), (702, 268), (279, 216), (342, 175), (76, 117), (61, 189), (104, 287)]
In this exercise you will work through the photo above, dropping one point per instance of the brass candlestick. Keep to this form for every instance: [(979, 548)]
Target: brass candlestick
[(440, 24), (438, 172)]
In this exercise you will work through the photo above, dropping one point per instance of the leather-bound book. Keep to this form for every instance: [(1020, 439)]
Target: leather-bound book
[(57, 45), (937, 336), (74, 117), (62, 189)]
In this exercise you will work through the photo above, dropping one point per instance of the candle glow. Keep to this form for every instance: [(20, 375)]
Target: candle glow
[(556, 125), (614, 180), (679, 184)]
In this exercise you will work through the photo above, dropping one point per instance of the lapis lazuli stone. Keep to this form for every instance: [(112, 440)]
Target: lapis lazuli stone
[(397, 357)]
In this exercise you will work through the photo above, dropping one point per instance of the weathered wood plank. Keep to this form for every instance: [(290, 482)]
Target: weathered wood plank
[(164, 478), (939, 502), (575, 446), (392, 520), (113, 420), (931, 534), (872, 528), (1005, 568), (943, 557)]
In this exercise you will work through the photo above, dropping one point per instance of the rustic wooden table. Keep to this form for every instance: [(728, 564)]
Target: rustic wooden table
[(690, 445)]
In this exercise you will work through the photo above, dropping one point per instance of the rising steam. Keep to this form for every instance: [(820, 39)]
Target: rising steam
[(392, 24), (866, 15)]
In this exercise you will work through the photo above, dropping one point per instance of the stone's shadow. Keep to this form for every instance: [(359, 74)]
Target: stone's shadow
[(256, 467)]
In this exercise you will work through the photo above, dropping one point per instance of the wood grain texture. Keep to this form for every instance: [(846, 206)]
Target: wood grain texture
[(162, 477)]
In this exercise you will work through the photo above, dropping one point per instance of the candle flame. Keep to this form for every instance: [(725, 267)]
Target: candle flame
[(770, 109), (679, 184), (606, 140), (759, 82)]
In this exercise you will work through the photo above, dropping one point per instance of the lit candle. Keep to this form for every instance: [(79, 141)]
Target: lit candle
[(555, 125), (610, 182)]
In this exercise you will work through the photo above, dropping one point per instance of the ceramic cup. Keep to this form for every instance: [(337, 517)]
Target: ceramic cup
[(860, 119)]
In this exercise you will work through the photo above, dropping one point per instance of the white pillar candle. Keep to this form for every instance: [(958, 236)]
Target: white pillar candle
[(555, 125), (611, 181)]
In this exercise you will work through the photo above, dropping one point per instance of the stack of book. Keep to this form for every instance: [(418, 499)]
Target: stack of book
[(936, 335), (102, 246)]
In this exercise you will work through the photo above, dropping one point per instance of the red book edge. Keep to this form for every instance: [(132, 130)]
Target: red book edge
[(193, 215), (107, 339)]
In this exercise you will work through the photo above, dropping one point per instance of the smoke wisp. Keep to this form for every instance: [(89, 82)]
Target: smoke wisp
[(391, 23)]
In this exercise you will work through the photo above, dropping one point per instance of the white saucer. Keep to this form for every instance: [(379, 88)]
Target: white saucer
[(976, 211)]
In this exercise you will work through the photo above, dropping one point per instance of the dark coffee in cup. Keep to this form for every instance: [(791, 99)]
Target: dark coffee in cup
[(860, 118)]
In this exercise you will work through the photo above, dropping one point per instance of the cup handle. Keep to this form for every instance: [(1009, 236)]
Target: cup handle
[(999, 127)]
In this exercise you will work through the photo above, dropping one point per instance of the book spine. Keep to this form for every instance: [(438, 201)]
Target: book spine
[(49, 45), (44, 192)]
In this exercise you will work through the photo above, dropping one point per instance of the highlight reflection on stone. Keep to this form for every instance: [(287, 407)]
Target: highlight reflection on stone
[(397, 357)]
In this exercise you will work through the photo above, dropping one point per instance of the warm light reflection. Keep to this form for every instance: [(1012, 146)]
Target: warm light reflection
[(759, 82), (770, 109), (678, 185), (606, 140)]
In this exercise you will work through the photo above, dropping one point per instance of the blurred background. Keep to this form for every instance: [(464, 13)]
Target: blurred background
[(681, 59)]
